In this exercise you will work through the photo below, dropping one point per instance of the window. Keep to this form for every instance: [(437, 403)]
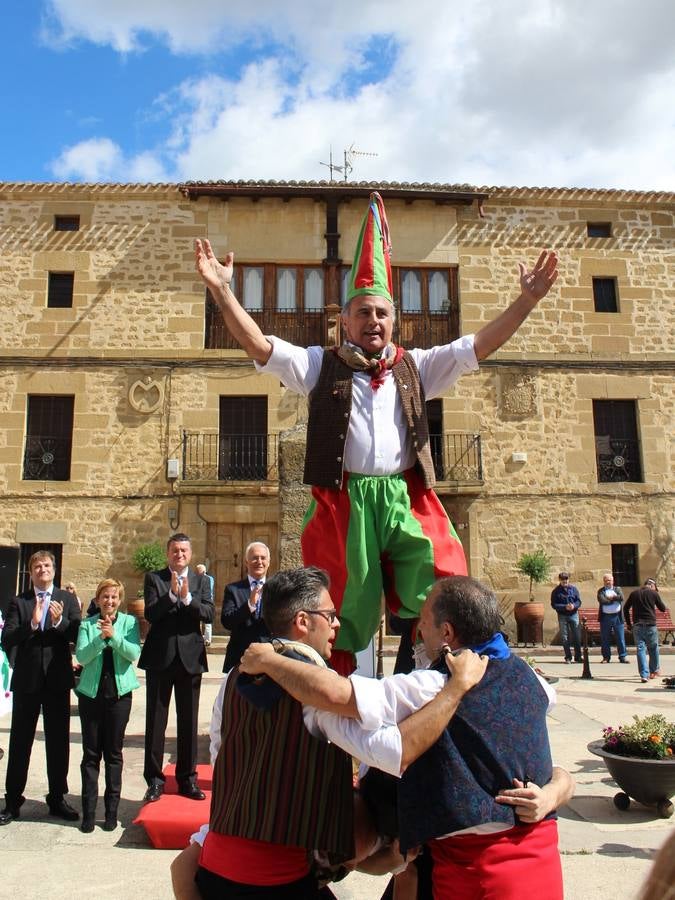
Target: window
[(27, 550), (242, 452), (422, 290), (49, 438), (286, 289), (599, 229), (624, 564), (605, 295), (60, 290), (66, 223), (435, 420), (617, 448), (313, 288)]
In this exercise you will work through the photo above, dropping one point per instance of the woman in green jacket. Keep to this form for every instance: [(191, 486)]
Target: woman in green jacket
[(108, 643)]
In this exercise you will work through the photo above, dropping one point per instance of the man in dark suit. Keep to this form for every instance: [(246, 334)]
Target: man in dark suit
[(177, 601), (242, 605), (40, 625)]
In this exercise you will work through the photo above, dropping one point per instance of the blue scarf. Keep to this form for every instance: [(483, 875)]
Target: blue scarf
[(495, 648)]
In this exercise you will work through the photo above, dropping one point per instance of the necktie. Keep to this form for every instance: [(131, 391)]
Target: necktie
[(43, 597), (256, 584)]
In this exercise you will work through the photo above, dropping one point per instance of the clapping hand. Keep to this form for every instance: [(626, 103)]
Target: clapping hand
[(105, 626)]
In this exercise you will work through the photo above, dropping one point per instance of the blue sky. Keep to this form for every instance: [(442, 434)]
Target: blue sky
[(489, 92)]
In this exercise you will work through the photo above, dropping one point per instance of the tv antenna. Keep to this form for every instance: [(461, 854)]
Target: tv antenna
[(346, 168)]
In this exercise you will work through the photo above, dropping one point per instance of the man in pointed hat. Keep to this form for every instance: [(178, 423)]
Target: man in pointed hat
[(374, 522)]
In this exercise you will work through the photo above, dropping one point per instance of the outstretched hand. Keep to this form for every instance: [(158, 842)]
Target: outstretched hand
[(536, 283), (213, 273)]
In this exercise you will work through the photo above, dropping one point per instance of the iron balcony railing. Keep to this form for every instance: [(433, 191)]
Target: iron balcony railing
[(46, 458), (229, 457), (457, 457), (307, 328)]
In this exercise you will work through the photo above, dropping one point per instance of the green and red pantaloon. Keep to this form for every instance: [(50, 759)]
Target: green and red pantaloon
[(378, 534)]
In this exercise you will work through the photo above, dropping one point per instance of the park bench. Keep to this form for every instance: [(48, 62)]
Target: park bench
[(664, 624)]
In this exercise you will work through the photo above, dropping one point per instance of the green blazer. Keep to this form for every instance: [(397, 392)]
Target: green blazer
[(126, 646)]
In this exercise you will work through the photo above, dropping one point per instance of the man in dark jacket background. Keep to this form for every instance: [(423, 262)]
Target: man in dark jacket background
[(566, 601), (640, 614), (177, 601)]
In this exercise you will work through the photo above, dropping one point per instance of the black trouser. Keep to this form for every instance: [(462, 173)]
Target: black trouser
[(215, 887), (55, 706), (104, 721), (159, 686)]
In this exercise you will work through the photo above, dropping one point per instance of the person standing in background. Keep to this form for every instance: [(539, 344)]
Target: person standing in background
[(566, 601), (610, 598), (242, 612), (207, 628), (640, 614)]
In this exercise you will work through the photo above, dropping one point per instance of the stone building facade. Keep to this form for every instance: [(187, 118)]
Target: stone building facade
[(563, 440)]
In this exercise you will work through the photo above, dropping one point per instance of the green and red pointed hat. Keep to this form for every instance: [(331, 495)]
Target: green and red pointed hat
[(371, 269)]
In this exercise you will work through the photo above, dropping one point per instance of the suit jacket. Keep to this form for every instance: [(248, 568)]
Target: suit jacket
[(237, 617), (175, 629), (41, 658)]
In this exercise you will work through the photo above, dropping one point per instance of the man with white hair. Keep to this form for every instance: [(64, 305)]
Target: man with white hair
[(242, 605)]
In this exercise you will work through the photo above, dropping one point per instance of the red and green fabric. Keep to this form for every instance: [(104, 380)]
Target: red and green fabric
[(379, 534), (371, 269)]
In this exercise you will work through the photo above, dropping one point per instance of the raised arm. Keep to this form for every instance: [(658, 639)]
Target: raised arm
[(217, 277), (534, 285), (310, 685)]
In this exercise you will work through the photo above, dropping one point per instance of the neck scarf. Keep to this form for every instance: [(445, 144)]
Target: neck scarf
[(354, 357)]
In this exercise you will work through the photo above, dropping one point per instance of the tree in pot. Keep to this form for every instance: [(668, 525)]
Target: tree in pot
[(146, 558), (529, 615)]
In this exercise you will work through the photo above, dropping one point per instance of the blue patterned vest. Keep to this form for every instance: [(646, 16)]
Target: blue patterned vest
[(497, 734)]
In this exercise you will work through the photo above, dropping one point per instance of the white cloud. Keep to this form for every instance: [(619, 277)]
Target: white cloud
[(100, 159), (537, 92)]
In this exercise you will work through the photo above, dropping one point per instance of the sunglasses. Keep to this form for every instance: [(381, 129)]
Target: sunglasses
[(330, 615)]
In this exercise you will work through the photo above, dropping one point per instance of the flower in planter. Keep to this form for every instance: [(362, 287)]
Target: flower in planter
[(649, 737)]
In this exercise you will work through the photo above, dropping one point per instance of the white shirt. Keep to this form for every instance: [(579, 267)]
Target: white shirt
[(374, 739), (377, 441)]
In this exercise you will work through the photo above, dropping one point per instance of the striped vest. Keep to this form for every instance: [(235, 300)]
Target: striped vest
[(330, 405), (273, 781), (497, 734)]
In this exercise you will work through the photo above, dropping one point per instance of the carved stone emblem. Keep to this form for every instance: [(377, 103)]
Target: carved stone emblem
[(146, 395), (518, 392)]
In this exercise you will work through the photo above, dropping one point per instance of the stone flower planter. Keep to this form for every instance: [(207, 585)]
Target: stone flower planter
[(649, 781)]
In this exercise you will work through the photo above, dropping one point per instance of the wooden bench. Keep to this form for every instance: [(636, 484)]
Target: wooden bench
[(664, 624)]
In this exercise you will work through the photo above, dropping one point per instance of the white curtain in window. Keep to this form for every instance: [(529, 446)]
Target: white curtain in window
[(285, 289), (411, 291), (438, 292), (252, 289), (344, 284), (313, 288)]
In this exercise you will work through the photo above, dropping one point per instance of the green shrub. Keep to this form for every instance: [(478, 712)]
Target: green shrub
[(535, 565), (149, 557)]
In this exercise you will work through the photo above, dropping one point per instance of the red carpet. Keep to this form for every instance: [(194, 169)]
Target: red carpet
[(171, 820)]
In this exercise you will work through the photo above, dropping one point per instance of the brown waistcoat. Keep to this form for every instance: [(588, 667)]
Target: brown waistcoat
[(274, 782), (330, 405)]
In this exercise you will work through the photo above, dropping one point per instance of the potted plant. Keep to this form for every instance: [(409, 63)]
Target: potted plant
[(529, 615), (640, 757), (145, 558)]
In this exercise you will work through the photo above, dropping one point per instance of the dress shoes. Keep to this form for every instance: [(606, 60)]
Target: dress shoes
[(8, 815), (625, 661), (62, 810), (154, 792), (110, 823), (191, 791)]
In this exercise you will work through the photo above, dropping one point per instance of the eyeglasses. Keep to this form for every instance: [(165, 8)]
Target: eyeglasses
[(330, 615)]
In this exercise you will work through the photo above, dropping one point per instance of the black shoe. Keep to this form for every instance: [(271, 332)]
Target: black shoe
[(625, 660), (154, 792), (8, 815), (580, 660), (191, 791), (62, 810), (110, 823), (87, 826)]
